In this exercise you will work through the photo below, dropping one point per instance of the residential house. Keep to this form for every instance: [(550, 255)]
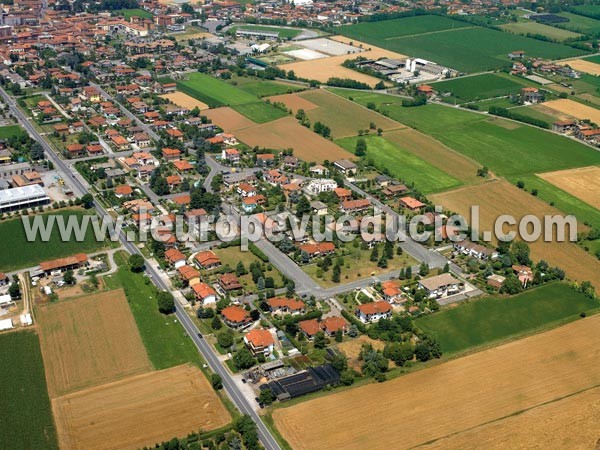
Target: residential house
[(123, 190), (309, 327), (523, 273), (475, 250), (246, 190), (231, 156), (442, 285), (236, 317), (360, 204), (171, 154), (391, 291), (188, 275), (315, 187), (318, 249), (393, 190), (410, 203), (207, 260), (3, 279), (265, 159), (290, 162), (204, 293), (283, 305), (319, 170), (229, 282), (496, 281), (183, 166), (319, 208), (342, 193), (333, 325), (175, 258), (75, 150), (531, 95), (260, 340), (373, 312)]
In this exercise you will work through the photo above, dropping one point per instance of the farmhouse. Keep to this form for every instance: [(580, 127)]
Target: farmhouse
[(282, 305), (564, 126), (207, 260), (441, 285), (373, 312), (64, 264), (236, 317), (531, 95), (259, 341), (204, 293)]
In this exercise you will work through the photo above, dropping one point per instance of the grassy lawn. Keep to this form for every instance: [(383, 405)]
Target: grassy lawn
[(17, 252), (496, 318), (450, 43), (541, 29), (284, 33), (134, 12), (25, 410), (165, 340), (231, 256), (11, 130), (357, 265), (260, 112), (479, 87), (403, 164)]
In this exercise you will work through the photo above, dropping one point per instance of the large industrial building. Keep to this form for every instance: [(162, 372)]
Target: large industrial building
[(22, 197)]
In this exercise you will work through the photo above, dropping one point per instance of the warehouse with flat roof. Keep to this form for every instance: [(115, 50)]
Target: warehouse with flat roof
[(23, 197)]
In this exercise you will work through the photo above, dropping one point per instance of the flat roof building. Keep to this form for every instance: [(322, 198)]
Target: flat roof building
[(22, 197)]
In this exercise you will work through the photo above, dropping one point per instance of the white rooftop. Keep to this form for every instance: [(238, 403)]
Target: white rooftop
[(20, 194), (6, 324)]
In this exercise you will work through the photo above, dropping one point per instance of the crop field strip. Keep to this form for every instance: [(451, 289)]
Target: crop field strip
[(448, 42), (446, 399)]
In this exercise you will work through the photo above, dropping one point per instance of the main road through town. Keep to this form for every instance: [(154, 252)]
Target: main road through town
[(209, 356)]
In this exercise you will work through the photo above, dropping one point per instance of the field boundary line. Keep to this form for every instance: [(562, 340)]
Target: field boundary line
[(394, 38)]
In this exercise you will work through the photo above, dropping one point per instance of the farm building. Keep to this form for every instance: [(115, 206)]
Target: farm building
[(311, 380), (22, 197), (64, 264)]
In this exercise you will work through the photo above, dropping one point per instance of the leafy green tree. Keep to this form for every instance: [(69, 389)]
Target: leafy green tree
[(361, 147), (14, 290), (216, 381), (87, 201), (225, 338), (243, 359), (216, 323), (266, 397), (136, 263), (69, 277), (320, 340), (166, 302)]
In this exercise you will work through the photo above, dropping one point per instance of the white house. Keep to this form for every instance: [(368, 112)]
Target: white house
[(373, 312), (324, 185), (441, 285)]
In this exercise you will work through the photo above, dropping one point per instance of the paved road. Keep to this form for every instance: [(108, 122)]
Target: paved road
[(79, 187)]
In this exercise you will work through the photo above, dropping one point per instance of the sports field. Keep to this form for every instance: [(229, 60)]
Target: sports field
[(575, 109), (139, 411), (450, 42), (532, 27), (344, 118), (288, 133), (479, 87), (500, 197), (402, 164), (184, 101), (25, 411), (454, 397), (17, 252), (490, 319), (583, 183), (90, 340)]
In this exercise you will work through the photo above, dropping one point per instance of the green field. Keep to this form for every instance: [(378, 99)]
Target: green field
[(261, 88), (532, 27), (135, 12), (284, 33), (580, 24), (479, 87), (485, 105), (496, 318), (165, 341), (11, 130), (402, 164), (217, 93), (507, 148), (452, 46), (16, 252), (530, 111), (25, 411), (587, 10)]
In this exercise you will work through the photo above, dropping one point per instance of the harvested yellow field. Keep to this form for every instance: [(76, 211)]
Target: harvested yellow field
[(572, 422), (500, 197), (88, 341), (436, 154), (293, 102), (583, 66), (288, 133), (583, 183), (228, 119), (139, 411), (453, 397), (325, 68), (572, 108), (184, 101)]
